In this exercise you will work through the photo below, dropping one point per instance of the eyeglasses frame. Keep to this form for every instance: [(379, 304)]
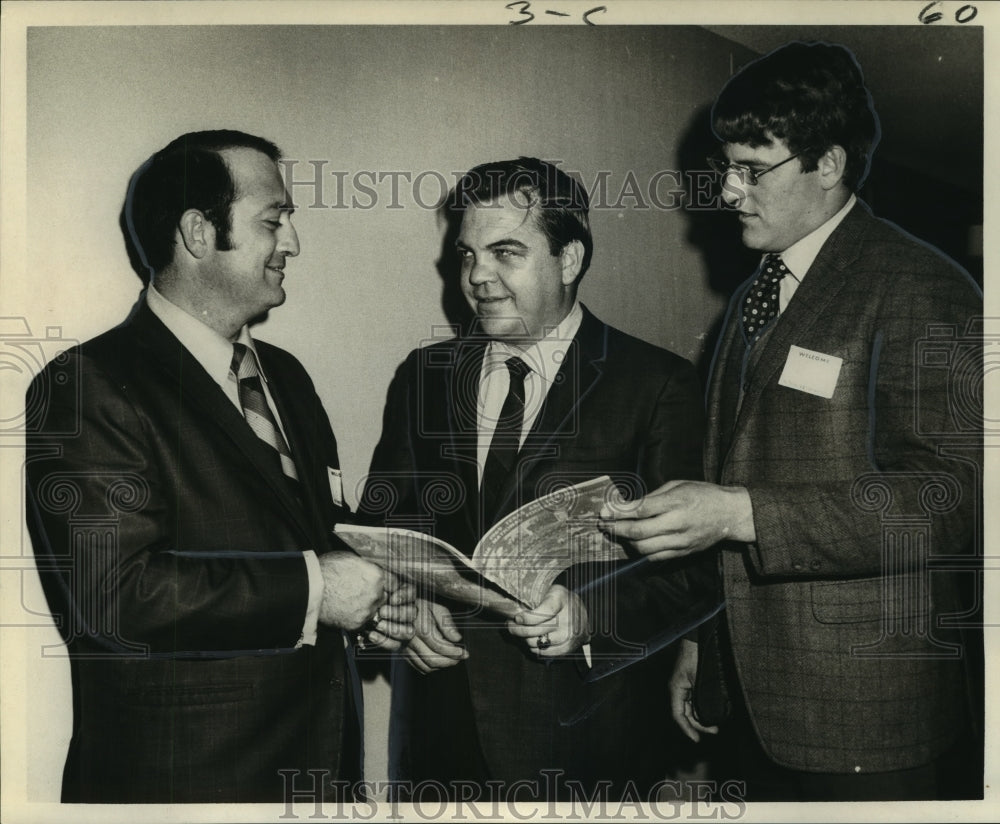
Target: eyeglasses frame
[(747, 175)]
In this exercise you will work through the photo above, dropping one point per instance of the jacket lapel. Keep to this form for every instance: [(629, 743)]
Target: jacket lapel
[(301, 444), (461, 404), (826, 279), (197, 389), (577, 377), (724, 387)]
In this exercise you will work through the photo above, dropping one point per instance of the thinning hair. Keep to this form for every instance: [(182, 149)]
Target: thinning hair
[(187, 173)]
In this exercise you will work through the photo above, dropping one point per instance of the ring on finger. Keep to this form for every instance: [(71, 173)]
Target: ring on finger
[(544, 642)]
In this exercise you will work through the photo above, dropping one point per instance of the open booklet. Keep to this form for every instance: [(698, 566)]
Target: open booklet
[(515, 562)]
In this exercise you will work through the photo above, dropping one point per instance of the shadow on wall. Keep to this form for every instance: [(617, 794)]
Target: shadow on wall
[(712, 229), (449, 269)]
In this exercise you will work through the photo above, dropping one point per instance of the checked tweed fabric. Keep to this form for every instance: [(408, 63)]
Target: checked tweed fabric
[(761, 304), (255, 408)]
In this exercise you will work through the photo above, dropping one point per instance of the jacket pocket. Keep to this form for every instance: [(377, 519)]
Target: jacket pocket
[(871, 599), (190, 695)]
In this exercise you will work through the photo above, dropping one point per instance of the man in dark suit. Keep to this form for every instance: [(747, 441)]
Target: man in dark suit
[(577, 685), (182, 490), (844, 448)]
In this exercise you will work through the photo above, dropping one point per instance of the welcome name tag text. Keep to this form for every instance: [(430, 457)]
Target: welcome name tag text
[(811, 372)]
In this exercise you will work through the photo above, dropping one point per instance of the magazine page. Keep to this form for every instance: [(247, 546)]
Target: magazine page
[(436, 567), (526, 551)]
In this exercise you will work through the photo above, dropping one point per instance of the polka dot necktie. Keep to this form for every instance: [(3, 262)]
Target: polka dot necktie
[(761, 304)]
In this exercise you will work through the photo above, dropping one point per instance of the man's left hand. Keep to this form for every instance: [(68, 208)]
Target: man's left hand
[(392, 625), (682, 517), (557, 626)]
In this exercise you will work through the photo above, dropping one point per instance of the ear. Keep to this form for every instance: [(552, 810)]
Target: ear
[(571, 258), (197, 233), (832, 164)]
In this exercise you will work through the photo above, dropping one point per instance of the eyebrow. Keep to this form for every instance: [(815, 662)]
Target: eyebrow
[(747, 161), (506, 241), (279, 205)]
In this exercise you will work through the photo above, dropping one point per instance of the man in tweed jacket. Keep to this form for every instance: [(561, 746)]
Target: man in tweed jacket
[(845, 443)]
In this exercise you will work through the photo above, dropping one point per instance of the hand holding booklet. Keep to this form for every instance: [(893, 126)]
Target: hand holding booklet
[(515, 562)]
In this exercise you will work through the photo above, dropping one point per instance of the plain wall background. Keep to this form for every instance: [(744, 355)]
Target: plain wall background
[(607, 101)]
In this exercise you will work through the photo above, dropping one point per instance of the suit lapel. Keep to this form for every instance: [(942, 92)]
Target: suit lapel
[(577, 377), (461, 404), (197, 389), (724, 386), (826, 279), (301, 444)]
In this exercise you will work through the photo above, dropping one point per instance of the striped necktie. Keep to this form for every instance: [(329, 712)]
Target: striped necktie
[(255, 408)]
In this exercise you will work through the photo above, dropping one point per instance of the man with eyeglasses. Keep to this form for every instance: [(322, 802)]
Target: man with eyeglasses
[(845, 465)]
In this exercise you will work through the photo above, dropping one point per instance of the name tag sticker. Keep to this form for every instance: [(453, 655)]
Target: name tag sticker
[(811, 372), (336, 485)]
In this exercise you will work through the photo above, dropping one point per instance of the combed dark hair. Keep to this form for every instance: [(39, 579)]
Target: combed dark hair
[(559, 204), (187, 173), (811, 96)]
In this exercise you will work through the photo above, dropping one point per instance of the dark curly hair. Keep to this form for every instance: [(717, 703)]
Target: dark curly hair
[(811, 96)]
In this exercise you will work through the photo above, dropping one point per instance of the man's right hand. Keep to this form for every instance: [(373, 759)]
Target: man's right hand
[(682, 692), (436, 641), (353, 589)]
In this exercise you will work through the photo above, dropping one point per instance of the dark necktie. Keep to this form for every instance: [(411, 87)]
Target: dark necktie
[(761, 304), (255, 408), (506, 440)]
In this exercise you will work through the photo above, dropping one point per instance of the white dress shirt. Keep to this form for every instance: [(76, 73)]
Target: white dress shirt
[(544, 358), (215, 354)]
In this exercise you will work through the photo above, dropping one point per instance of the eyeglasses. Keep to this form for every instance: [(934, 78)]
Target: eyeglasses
[(746, 175)]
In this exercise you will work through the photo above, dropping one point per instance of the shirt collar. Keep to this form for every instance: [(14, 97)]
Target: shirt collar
[(800, 255), (545, 356), (209, 348)]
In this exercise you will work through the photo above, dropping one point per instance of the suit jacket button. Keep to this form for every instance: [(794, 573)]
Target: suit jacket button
[(815, 565)]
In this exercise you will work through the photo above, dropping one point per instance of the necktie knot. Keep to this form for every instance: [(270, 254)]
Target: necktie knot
[(242, 365), (512, 413), (761, 304), (506, 441), (516, 366), (256, 409), (518, 371)]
